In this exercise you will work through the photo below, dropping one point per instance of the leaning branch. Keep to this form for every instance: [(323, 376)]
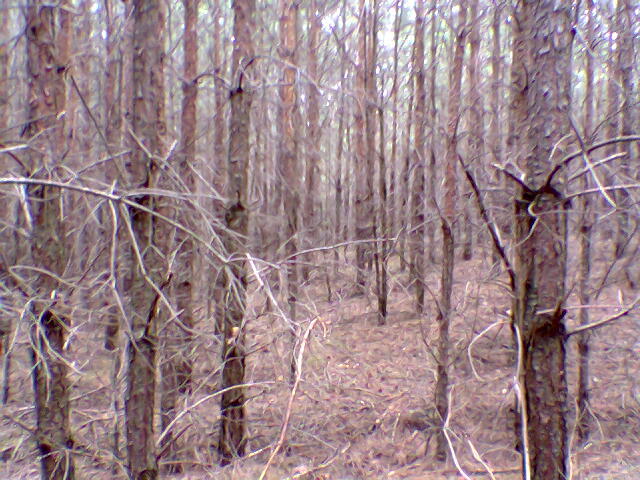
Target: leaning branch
[(490, 225), (604, 321)]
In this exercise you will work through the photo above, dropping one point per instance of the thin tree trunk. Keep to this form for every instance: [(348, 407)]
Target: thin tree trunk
[(393, 161), (476, 129), (380, 229), (233, 438), (585, 233), (363, 195), (625, 20), (177, 365), (447, 224), (495, 126), (312, 215), (433, 115), (418, 190), (113, 131), (288, 157)]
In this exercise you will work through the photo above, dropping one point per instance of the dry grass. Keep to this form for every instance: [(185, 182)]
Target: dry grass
[(363, 409)]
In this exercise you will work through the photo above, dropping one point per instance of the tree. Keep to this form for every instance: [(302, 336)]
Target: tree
[(363, 192), (288, 149), (476, 114), (177, 366), (149, 275), (46, 66), (585, 222), (447, 219), (418, 188), (233, 439), (625, 21), (541, 85)]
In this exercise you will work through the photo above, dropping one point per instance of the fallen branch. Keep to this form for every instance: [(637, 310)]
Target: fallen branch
[(292, 396)]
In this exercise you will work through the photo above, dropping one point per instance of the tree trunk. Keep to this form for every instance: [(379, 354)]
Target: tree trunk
[(312, 209), (476, 129), (177, 364), (418, 204), (148, 261), (288, 157), (625, 21), (392, 208), (45, 131), (433, 115), (233, 441), (585, 223), (447, 224), (363, 194), (541, 84)]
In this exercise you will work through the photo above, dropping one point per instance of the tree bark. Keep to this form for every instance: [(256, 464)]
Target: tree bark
[(447, 221), (418, 191), (541, 84), (476, 128), (45, 132), (233, 440), (585, 223), (288, 162), (625, 21), (148, 260)]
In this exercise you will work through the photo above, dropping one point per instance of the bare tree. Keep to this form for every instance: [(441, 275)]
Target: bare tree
[(418, 188), (363, 192), (233, 441), (177, 363), (541, 85), (447, 219), (149, 274), (46, 66), (288, 150), (585, 222)]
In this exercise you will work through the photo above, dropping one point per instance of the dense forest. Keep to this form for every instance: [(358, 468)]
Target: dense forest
[(319, 239)]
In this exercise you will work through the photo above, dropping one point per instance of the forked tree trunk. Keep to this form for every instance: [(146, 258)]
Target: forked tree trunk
[(148, 124), (541, 85), (45, 132), (233, 440)]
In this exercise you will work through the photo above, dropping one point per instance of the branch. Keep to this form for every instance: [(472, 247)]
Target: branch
[(604, 321), (292, 396), (605, 143), (120, 199), (490, 225)]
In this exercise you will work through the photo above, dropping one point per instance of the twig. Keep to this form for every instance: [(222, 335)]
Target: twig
[(445, 429), (489, 224), (294, 389), (604, 321), (323, 465)]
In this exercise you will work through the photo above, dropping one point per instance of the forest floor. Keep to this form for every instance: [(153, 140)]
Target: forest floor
[(363, 406)]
